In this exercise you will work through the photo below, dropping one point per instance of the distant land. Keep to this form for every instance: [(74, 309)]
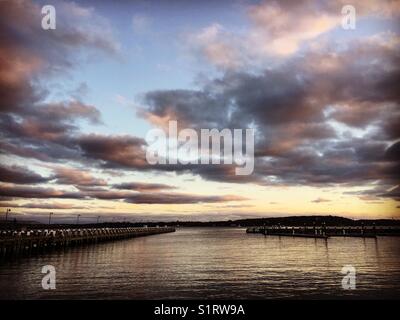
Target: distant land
[(284, 221)]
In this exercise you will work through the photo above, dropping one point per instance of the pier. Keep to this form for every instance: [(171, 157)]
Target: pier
[(37, 240), (326, 231)]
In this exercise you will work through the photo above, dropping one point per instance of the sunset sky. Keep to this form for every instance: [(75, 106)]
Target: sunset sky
[(77, 102)]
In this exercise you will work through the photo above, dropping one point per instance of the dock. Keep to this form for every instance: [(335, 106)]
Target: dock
[(324, 232), (38, 240)]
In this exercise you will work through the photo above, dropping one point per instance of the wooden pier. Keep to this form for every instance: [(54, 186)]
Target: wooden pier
[(14, 242), (327, 231)]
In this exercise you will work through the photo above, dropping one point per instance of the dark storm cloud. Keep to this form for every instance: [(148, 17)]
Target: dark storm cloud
[(20, 175)]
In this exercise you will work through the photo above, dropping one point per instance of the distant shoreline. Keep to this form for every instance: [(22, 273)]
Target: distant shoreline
[(284, 221)]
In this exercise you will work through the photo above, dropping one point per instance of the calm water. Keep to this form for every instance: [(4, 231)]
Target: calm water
[(213, 263)]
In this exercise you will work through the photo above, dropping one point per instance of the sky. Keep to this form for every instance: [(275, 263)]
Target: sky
[(78, 101)]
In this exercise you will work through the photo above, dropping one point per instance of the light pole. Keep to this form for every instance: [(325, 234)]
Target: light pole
[(77, 218), (7, 212), (50, 214)]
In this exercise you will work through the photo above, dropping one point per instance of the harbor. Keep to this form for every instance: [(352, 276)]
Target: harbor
[(208, 263)]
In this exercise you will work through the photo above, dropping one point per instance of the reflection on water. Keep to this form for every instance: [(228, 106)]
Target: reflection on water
[(213, 263)]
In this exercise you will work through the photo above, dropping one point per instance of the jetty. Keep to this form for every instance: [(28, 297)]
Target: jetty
[(38, 240), (326, 231)]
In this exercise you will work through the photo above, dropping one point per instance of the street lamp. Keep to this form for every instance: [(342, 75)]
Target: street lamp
[(50, 214), (77, 218), (7, 212)]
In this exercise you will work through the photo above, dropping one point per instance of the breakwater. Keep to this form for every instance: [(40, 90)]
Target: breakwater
[(30, 241), (327, 231)]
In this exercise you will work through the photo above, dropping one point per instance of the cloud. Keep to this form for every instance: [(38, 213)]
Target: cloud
[(42, 129), (29, 51), (21, 192), (215, 44), (319, 200), (392, 193), (141, 23), (38, 193), (326, 117), (72, 176), (159, 198), (20, 175), (393, 152), (296, 117), (48, 122), (176, 198), (378, 192), (304, 112), (50, 206), (299, 91), (114, 151), (142, 186), (278, 30)]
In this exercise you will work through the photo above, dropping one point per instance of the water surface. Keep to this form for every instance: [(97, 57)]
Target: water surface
[(215, 263)]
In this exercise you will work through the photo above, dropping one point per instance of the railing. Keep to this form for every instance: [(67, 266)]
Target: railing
[(327, 231), (17, 241)]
